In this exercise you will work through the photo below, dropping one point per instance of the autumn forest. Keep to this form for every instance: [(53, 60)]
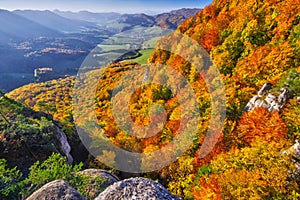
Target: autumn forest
[(254, 45)]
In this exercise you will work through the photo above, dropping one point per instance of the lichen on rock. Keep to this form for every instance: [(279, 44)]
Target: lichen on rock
[(137, 188)]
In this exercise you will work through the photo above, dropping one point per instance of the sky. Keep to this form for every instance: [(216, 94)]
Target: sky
[(124, 6)]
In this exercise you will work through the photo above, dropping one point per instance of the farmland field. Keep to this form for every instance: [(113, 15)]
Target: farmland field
[(143, 59)]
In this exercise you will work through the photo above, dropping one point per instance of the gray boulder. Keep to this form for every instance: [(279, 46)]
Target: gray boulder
[(136, 188), (56, 190)]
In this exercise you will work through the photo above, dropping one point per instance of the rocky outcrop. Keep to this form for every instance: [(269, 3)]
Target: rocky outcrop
[(272, 97), (264, 89), (136, 188), (268, 100), (27, 136), (56, 190), (64, 145), (98, 181)]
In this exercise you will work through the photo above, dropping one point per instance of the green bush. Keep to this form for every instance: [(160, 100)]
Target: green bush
[(10, 181), (55, 168), (14, 186)]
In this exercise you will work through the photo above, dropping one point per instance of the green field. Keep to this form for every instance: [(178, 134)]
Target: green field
[(137, 38), (143, 59)]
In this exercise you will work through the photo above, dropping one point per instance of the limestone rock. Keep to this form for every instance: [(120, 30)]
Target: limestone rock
[(56, 190), (64, 144), (136, 188), (265, 87), (283, 97), (268, 100)]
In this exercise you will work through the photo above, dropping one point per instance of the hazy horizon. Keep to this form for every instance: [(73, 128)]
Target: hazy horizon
[(130, 6), (148, 12)]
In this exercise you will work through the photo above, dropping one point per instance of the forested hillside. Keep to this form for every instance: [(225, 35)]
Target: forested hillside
[(27, 136), (252, 43)]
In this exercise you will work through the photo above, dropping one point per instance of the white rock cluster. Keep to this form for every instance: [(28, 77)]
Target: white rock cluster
[(267, 100)]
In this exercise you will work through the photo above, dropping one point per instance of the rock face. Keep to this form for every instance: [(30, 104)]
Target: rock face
[(64, 145), (56, 190), (272, 97), (98, 180), (265, 87), (268, 100), (136, 188)]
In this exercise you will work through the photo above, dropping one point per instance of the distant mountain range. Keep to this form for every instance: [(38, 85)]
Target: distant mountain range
[(16, 27), (98, 18), (31, 39), (54, 21), (24, 24), (167, 20)]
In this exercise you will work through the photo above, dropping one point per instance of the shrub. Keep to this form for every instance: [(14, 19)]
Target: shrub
[(10, 181), (55, 168)]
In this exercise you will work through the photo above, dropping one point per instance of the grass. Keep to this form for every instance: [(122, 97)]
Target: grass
[(143, 59), (140, 36)]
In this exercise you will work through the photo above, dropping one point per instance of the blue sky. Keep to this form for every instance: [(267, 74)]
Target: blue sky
[(127, 6)]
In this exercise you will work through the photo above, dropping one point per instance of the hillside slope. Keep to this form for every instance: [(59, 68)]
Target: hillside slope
[(14, 27), (251, 43), (166, 20), (27, 136)]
